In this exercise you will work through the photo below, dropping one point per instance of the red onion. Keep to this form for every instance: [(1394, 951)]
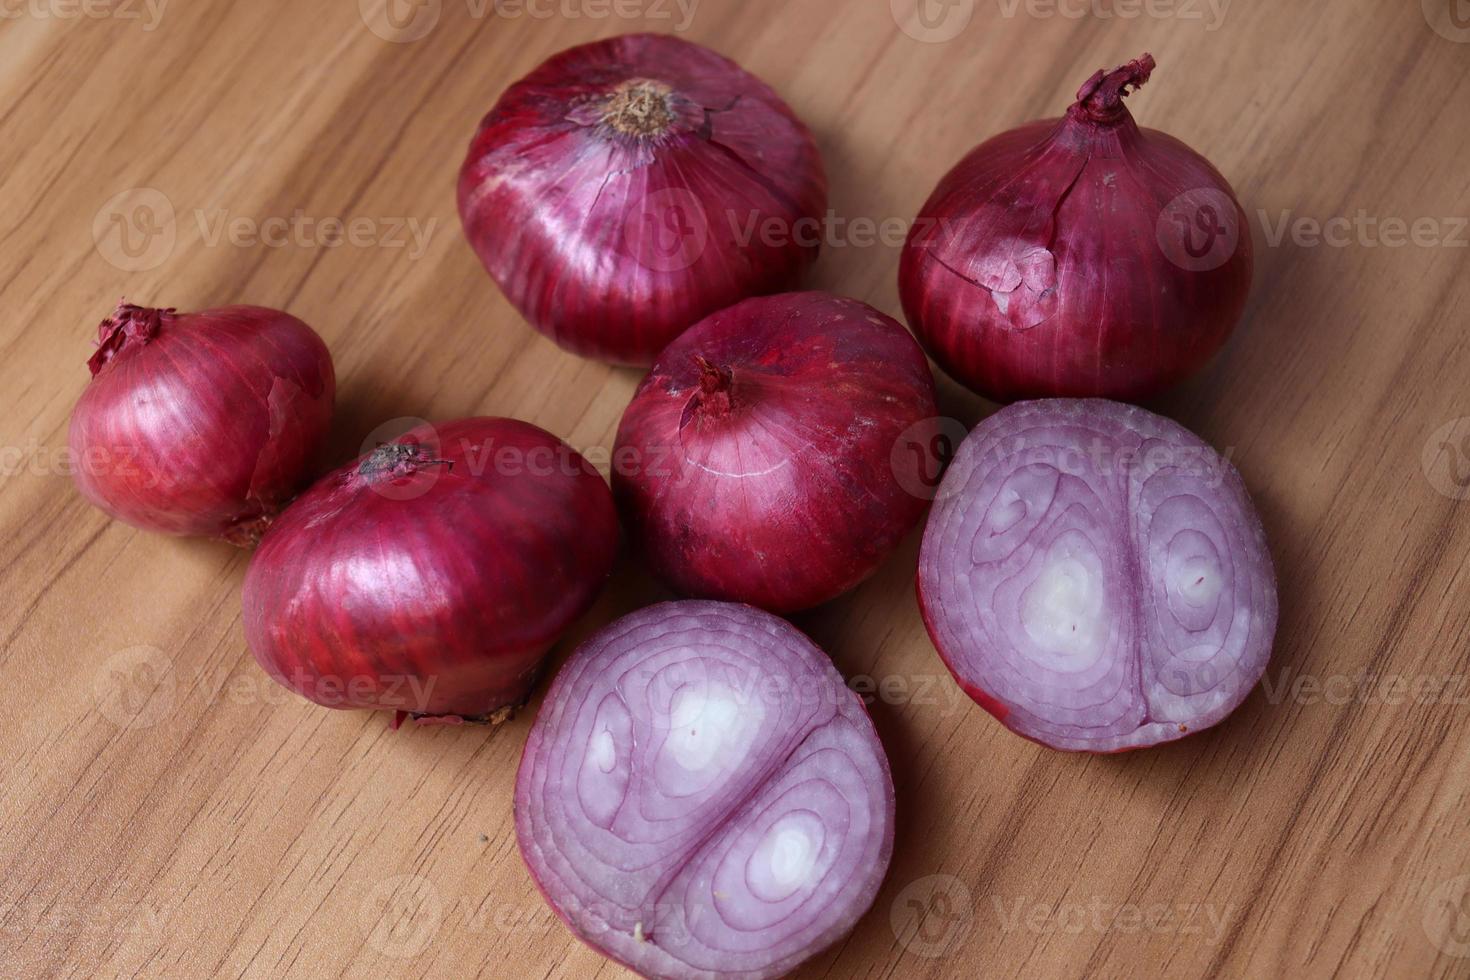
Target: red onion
[(430, 576), (757, 460), (701, 796), (1096, 577), (201, 423), (1081, 256), (620, 192)]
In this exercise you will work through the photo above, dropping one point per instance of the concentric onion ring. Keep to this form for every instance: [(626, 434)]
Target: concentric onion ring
[(1096, 576), (701, 796)]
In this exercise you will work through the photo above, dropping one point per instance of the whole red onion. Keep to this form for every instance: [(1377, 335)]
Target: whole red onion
[(430, 576), (1081, 256), (763, 460), (626, 188), (201, 423), (702, 796), (1096, 576)]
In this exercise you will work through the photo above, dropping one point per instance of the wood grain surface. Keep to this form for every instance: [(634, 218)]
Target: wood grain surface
[(168, 812)]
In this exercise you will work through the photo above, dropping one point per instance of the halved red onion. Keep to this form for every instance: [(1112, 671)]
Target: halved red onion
[(701, 796), (628, 187), (1096, 576)]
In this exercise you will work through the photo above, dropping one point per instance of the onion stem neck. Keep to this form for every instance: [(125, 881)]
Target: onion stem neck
[(714, 387), (398, 459), (128, 325), (1101, 96)]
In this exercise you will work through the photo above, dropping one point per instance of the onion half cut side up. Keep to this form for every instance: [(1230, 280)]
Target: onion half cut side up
[(763, 459), (628, 187), (701, 796), (1096, 576), (430, 576)]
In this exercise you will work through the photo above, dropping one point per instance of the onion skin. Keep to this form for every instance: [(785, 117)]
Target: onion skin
[(1069, 257), (756, 461), (201, 423), (431, 575), (615, 193), (1096, 576), (647, 838)]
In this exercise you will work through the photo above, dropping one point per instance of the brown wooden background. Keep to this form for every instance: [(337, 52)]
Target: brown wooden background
[(166, 812)]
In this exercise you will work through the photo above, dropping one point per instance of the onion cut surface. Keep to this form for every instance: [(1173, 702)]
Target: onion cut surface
[(701, 796), (1096, 576)]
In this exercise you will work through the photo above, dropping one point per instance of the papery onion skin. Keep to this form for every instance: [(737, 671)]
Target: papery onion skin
[(1097, 577), (618, 193), (201, 423), (1078, 257), (756, 461), (430, 576), (631, 821)]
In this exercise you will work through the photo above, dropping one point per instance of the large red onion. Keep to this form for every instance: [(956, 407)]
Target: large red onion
[(760, 460), (1096, 576), (626, 188), (430, 576), (701, 796), (1080, 256), (201, 423)]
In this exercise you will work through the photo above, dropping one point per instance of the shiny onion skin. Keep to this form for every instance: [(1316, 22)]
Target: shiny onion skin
[(430, 576), (618, 193), (756, 462), (1096, 576), (701, 796), (1078, 257), (201, 423)]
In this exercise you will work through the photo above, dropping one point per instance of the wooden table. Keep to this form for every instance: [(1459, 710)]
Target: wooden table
[(169, 812)]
